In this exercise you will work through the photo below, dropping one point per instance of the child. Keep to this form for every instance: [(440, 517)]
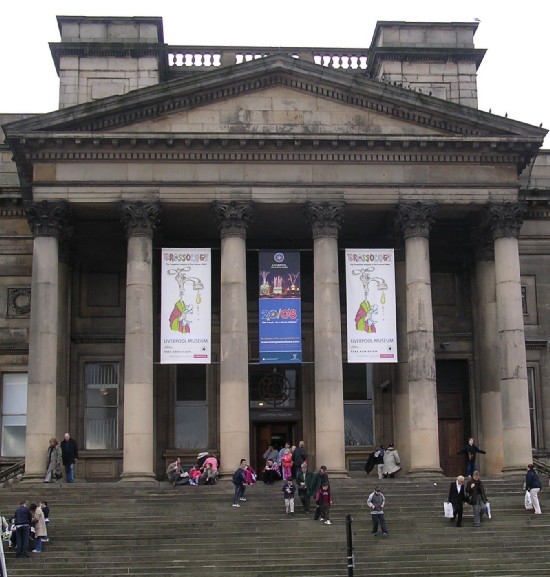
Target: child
[(286, 464), (288, 493), (208, 474), (324, 499), (194, 475), (376, 502)]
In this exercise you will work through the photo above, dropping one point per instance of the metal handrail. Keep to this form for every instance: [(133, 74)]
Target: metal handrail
[(541, 466), (12, 471)]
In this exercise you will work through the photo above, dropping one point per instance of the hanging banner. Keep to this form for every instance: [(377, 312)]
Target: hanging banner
[(371, 306), (185, 334), (280, 322)]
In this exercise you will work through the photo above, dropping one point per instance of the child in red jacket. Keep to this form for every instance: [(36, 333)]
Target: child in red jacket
[(324, 500)]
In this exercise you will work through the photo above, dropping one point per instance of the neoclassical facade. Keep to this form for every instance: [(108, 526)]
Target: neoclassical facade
[(248, 149)]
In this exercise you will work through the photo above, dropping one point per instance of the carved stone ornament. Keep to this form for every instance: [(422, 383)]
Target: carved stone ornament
[(233, 217), (140, 218), (19, 302), (416, 218), (325, 218), (48, 218), (482, 240), (506, 219)]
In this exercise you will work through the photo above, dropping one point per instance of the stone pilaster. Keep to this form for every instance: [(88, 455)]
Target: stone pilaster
[(140, 220), (47, 221), (505, 220), (488, 361), (233, 219), (416, 220), (325, 220)]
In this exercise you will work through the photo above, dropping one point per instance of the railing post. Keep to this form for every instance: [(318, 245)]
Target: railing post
[(349, 539)]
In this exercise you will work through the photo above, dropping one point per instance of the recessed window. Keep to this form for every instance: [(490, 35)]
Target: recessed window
[(191, 407), (102, 400), (358, 404), (14, 414)]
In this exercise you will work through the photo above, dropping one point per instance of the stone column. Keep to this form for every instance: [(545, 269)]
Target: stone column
[(139, 219), (416, 219), (506, 220), (46, 220), (325, 220), (488, 362), (233, 219)]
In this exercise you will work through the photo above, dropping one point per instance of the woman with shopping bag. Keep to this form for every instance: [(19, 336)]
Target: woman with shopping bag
[(477, 498), (533, 487)]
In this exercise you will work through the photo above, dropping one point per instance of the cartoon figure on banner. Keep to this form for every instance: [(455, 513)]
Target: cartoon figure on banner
[(364, 319), (179, 318), (265, 289)]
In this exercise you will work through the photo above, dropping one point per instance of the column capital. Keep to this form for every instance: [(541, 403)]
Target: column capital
[(483, 245), (416, 218), (325, 218), (505, 219), (48, 218), (233, 217), (140, 218)]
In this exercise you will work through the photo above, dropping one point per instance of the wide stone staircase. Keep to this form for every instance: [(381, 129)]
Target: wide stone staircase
[(113, 529)]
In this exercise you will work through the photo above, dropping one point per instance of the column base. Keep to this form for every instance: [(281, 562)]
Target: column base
[(138, 478), (32, 478)]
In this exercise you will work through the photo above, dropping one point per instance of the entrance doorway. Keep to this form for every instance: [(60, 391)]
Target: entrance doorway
[(276, 434), (453, 401)]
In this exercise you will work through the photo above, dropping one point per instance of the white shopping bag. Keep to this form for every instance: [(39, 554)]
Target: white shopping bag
[(488, 510), (528, 503), (448, 510)]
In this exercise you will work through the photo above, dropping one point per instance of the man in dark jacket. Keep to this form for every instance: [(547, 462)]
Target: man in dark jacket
[(470, 451), (69, 455), (320, 478), (22, 521), (457, 496)]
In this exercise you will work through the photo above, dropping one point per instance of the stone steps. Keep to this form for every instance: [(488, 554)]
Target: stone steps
[(116, 530)]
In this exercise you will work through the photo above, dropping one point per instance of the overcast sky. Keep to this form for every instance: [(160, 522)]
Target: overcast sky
[(512, 79)]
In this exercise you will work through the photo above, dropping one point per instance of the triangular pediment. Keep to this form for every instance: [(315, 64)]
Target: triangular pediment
[(276, 95)]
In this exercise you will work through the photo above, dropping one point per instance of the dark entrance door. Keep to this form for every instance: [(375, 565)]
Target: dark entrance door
[(453, 413), (276, 434)]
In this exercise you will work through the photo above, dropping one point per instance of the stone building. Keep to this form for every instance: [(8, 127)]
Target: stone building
[(250, 149)]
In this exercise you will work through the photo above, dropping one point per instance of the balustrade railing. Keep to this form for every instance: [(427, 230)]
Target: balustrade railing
[(194, 58)]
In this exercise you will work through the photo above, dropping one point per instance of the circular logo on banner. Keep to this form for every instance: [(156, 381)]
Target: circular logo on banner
[(278, 257)]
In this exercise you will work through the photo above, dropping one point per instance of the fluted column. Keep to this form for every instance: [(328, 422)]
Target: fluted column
[(233, 219), (506, 220), (47, 220), (416, 219), (490, 399), (325, 220), (139, 220)]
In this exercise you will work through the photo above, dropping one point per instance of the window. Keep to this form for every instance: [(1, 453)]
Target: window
[(191, 407), (102, 398), (524, 300), (532, 406), (14, 414), (358, 404)]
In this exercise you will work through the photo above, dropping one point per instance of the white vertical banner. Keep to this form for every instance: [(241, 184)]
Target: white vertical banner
[(186, 305), (371, 306)]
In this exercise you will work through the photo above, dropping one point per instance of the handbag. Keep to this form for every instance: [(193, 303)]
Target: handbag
[(528, 502), (448, 510), (488, 509), (58, 473)]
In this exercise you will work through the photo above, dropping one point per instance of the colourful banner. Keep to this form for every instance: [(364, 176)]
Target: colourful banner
[(280, 322), (371, 306), (186, 306)]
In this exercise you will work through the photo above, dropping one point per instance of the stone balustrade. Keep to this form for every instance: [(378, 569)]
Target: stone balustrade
[(192, 58)]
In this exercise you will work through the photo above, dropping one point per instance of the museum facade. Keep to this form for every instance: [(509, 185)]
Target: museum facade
[(221, 156)]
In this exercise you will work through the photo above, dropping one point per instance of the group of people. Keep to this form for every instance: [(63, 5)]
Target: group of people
[(386, 460), (28, 523), (59, 456), (284, 463), (472, 492), (203, 472)]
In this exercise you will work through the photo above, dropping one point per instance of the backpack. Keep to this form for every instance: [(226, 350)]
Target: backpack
[(237, 477)]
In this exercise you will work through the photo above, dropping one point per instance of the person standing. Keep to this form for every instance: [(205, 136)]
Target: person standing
[(320, 478), (40, 531), (376, 502), (289, 488), (54, 459), (534, 486), (239, 480), (469, 452), (298, 457), (324, 499), (69, 450), (457, 496), (22, 520), (477, 497), (304, 480)]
